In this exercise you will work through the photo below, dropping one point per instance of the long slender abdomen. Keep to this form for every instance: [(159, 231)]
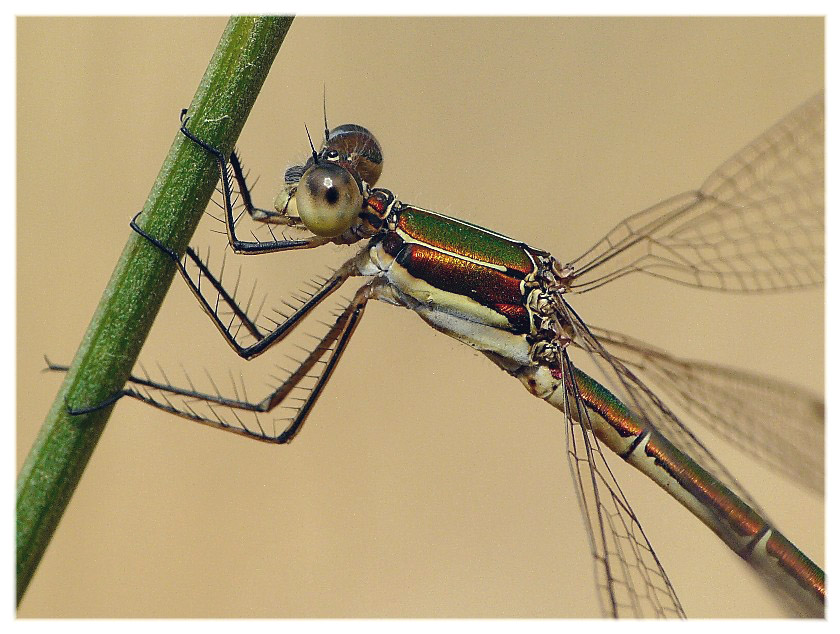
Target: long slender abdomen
[(743, 529)]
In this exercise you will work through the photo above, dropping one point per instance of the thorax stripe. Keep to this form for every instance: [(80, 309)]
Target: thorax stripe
[(461, 238)]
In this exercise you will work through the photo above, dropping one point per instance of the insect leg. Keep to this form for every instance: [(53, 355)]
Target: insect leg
[(185, 402), (241, 246), (257, 213), (264, 339)]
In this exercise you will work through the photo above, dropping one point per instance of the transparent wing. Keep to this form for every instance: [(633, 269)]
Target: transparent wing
[(631, 581), (756, 224), (619, 378), (779, 424)]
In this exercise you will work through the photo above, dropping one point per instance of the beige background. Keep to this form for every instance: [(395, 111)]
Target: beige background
[(426, 483)]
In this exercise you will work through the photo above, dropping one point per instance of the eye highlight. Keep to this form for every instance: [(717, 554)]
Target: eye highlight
[(328, 199)]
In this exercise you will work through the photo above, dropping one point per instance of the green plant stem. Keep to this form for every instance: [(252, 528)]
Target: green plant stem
[(139, 283)]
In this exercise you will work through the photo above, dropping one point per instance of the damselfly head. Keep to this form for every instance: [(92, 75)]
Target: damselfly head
[(327, 193), (328, 199), (356, 149)]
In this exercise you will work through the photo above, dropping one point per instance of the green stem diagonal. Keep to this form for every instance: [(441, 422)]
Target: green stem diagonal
[(139, 283)]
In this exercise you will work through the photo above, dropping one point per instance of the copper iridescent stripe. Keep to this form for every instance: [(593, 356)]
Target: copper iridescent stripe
[(489, 287), (693, 478), (711, 493)]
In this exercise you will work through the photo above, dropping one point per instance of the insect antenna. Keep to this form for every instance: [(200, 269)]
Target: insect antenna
[(326, 125), (314, 153)]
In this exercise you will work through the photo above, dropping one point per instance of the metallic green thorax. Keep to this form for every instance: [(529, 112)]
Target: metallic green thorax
[(468, 272), (465, 239)]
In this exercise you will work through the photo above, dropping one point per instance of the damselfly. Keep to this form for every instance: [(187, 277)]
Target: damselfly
[(755, 225)]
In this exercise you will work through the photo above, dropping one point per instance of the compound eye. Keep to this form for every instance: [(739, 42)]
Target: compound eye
[(328, 199)]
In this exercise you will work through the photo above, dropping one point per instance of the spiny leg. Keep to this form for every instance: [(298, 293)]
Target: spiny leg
[(263, 340), (257, 213), (241, 246), (334, 342)]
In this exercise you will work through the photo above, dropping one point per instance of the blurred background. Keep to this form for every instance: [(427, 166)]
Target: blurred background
[(426, 482)]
